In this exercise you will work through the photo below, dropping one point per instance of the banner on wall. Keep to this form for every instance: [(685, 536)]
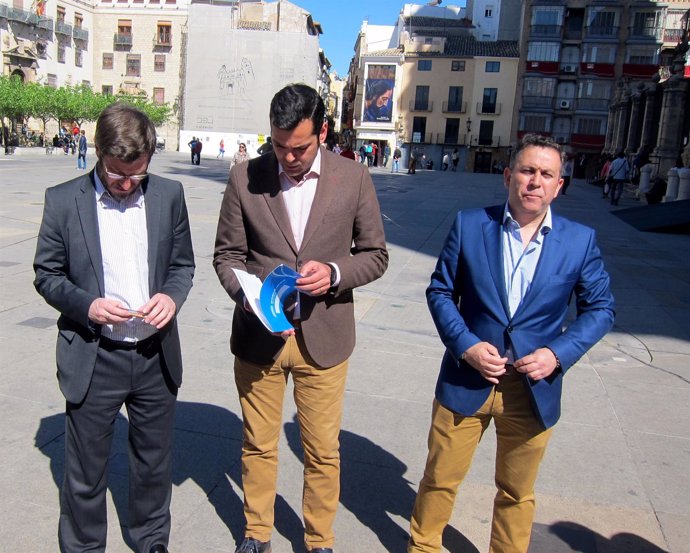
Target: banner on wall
[(378, 93)]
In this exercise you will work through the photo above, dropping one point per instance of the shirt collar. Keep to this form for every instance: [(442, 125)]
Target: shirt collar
[(546, 224), (102, 195), (314, 170)]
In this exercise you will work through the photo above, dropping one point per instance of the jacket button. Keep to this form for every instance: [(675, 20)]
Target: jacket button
[(510, 329), (299, 264)]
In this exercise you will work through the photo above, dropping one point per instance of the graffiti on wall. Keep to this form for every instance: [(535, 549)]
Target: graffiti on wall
[(234, 80)]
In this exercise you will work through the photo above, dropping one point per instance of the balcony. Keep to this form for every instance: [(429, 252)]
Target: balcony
[(545, 67), (482, 140), (454, 140), (593, 104), (418, 105), (545, 31), (79, 33), (23, 16), (601, 31), (3, 10), (122, 39), (454, 107), (162, 42), (589, 141), (62, 28), (640, 70), (420, 138), (542, 102), (598, 69), (45, 23), (639, 32), (486, 108), (674, 35)]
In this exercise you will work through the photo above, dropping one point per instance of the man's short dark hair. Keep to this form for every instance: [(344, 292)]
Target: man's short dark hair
[(125, 133), (295, 103), (538, 140)]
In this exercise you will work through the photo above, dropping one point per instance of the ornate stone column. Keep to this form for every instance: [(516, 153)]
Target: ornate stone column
[(673, 114), (633, 140), (622, 126), (650, 122)]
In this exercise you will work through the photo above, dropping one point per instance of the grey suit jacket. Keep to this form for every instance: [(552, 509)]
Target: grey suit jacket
[(254, 234), (69, 271)]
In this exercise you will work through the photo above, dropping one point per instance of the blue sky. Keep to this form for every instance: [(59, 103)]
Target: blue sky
[(341, 21)]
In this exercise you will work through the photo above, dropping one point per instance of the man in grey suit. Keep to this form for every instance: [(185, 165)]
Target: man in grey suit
[(317, 212), (114, 257)]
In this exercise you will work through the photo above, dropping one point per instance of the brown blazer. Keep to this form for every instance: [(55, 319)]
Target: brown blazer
[(254, 234)]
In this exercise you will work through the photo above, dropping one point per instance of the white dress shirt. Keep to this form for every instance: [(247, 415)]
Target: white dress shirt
[(124, 248)]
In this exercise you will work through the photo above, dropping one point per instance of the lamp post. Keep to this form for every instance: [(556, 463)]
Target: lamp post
[(469, 130)]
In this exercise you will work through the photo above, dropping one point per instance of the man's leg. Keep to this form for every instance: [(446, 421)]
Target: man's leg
[(521, 445), (452, 442), (261, 390), (319, 397), (151, 411), (88, 437)]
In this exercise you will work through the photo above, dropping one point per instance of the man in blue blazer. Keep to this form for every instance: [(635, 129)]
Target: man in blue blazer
[(499, 297), (114, 257)]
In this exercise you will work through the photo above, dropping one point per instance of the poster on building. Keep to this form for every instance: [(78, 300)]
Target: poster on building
[(378, 93)]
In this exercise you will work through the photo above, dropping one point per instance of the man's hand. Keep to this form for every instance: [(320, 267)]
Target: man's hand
[(538, 364), (159, 310), (106, 311), (485, 358), (316, 278)]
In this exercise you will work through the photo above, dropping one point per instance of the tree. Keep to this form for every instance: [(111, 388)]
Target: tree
[(42, 103), (12, 102)]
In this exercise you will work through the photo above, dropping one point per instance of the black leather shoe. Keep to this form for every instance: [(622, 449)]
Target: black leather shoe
[(250, 545), (321, 550), (158, 549)]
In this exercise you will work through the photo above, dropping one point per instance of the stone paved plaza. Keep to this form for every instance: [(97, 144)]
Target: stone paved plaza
[(616, 477)]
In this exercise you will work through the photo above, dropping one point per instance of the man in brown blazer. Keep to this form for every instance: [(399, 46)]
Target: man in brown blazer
[(316, 212)]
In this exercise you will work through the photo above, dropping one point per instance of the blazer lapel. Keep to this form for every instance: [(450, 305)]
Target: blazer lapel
[(152, 205), (494, 253), (88, 217), (270, 184), (325, 191)]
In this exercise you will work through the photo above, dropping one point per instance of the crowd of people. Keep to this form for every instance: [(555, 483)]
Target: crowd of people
[(500, 318)]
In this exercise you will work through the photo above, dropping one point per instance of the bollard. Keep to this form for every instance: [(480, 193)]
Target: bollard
[(645, 178), (672, 187), (683, 184)]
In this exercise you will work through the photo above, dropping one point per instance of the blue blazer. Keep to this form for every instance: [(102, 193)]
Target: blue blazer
[(468, 303)]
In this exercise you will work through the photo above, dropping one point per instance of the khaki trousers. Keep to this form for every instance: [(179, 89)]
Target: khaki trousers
[(318, 394), (453, 439)]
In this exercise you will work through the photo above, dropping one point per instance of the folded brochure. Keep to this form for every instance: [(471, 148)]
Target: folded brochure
[(266, 299)]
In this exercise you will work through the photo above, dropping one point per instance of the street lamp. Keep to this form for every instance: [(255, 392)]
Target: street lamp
[(469, 125)]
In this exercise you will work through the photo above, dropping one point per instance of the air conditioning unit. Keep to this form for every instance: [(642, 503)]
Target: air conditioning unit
[(569, 68), (564, 104)]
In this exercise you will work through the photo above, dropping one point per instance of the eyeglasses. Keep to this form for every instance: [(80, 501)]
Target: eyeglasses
[(134, 179)]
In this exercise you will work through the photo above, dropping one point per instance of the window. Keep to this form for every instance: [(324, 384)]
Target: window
[(52, 80), (61, 53), (452, 131), (489, 11), (546, 16), (164, 34), (421, 98), (645, 23), (543, 51), (598, 53), (60, 14), (159, 63), (133, 65), (489, 100), (124, 26), (642, 55), (455, 98), (535, 123), (419, 129), (78, 57), (457, 65), (424, 65), (428, 40), (87, 84), (107, 90), (158, 96), (593, 94), (78, 21), (107, 60), (486, 133), (590, 126), (493, 66), (601, 22)]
